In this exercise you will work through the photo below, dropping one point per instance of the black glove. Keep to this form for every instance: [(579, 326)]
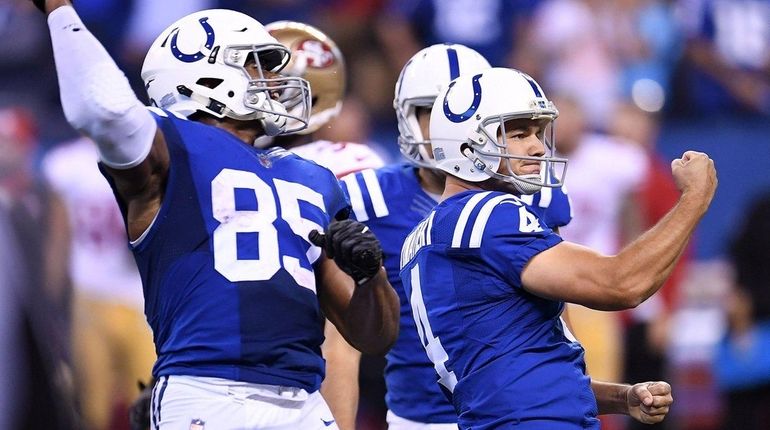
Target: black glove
[(353, 247), (139, 412)]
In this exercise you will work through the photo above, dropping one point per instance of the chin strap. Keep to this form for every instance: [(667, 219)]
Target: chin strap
[(211, 104)]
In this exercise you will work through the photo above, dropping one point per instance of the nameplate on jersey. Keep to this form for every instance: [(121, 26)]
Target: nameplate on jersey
[(418, 238)]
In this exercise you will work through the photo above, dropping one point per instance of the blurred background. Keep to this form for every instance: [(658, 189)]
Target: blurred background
[(637, 82)]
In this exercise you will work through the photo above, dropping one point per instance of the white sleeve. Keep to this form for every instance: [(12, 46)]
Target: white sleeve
[(96, 97)]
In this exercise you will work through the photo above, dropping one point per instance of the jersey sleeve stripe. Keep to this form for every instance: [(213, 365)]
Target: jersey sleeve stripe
[(528, 199), (157, 111), (546, 194), (178, 115), (462, 220), (428, 233), (356, 198), (164, 113), (375, 193), (482, 218)]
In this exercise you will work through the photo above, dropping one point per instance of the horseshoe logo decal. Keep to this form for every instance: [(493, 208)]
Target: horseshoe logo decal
[(454, 117), (191, 58)]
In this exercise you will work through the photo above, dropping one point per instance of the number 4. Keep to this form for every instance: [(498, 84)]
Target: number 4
[(436, 352)]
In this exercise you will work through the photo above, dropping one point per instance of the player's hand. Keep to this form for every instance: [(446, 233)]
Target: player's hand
[(353, 247), (649, 402), (695, 174)]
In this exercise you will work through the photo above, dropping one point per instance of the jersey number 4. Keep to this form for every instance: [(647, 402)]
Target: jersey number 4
[(436, 352), (260, 222)]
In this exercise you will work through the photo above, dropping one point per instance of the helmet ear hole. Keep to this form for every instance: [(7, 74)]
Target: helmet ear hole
[(210, 82)]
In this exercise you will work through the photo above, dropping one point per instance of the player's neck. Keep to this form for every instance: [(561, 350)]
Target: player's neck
[(457, 186), (432, 181), (292, 140), (247, 131)]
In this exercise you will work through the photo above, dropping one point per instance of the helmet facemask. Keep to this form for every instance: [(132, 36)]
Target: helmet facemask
[(411, 142), (274, 100), (488, 152)]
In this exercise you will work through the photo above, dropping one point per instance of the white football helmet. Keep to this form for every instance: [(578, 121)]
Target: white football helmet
[(315, 57), (199, 64), (471, 112), (418, 85)]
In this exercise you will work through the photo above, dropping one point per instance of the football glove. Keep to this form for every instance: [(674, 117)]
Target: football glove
[(353, 247)]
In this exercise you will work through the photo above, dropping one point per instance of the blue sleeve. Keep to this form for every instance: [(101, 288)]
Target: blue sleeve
[(366, 195), (513, 236), (559, 212), (337, 200), (345, 191)]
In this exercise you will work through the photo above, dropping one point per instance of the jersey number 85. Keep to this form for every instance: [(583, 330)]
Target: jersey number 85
[(260, 222)]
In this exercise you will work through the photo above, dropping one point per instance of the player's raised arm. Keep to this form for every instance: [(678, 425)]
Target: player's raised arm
[(640, 269), (354, 290), (98, 101)]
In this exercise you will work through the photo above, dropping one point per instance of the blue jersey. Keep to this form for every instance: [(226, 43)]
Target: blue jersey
[(391, 202), (501, 353), (226, 267)]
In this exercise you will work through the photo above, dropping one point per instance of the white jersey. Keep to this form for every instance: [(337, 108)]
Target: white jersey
[(603, 170), (340, 157), (101, 264)]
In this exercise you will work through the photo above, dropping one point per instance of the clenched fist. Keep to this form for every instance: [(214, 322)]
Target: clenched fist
[(353, 247), (649, 402), (695, 174)]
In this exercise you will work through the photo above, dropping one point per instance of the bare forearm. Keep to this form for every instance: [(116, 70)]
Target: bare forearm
[(611, 398), (645, 264), (371, 319)]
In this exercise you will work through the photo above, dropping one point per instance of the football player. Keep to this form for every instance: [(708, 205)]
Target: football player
[(235, 291), (316, 58), (393, 200), (487, 278)]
